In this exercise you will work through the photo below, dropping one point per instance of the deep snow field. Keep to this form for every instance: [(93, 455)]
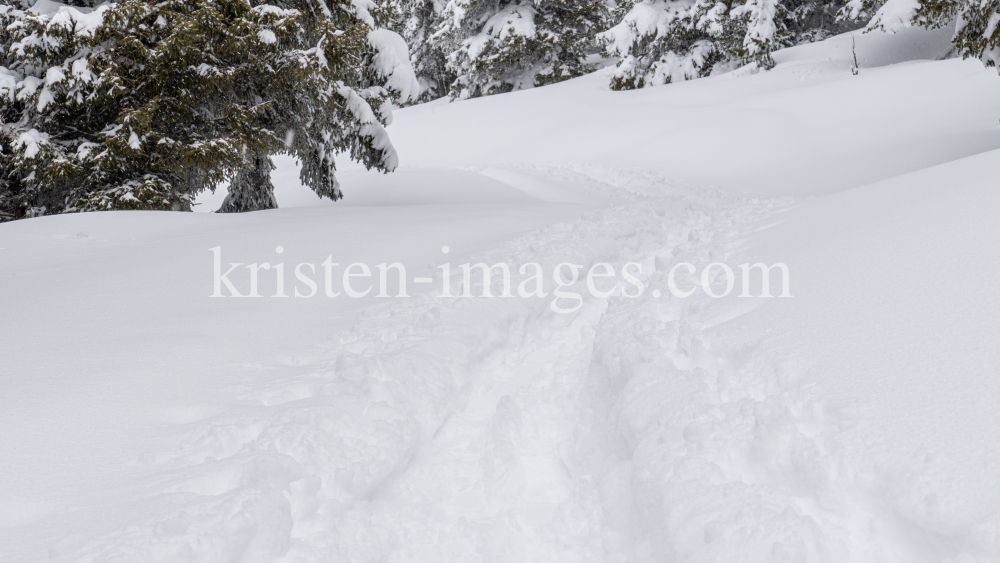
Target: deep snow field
[(143, 421)]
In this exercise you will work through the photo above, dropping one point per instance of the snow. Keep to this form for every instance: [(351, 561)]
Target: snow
[(381, 142), (761, 28), (32, 141), (144, 421), (85, 148), (81, 70), (894, 15), (8, 83), (762, 118), (54, 75), (268, 9), (363, 10), (83, 21), (205, 69), (392, 61), (267, 36), (357, 105), (513, 20), (28, 87), (51, 7), (45, 98)]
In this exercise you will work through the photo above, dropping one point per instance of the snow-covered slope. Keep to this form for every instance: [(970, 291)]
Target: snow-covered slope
[(141, 420), (806, 128)]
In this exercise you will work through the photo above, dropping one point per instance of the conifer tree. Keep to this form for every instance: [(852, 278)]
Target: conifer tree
[(663, 42), (9, 110), (668, 41), (977, 22), (978, 34), (504, 45), (251, 189), (8, 190), (142, 105), (429, 54)]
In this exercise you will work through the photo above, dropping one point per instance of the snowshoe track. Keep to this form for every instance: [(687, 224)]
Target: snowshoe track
[(495, 430)]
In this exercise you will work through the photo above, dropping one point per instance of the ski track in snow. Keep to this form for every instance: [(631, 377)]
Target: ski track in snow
[(495, 430)]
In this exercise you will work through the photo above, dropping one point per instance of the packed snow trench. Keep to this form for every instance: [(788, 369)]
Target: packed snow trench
[(855, 420)]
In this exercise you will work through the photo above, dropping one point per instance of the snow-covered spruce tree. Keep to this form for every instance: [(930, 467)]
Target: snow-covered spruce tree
[(8, 191), (661, 42), (10, 110), (358, 70), (668, 41), (251, 189), (133, 106), (429, 55), (977, 22), (978, 32), (139, 105), (504, 45)]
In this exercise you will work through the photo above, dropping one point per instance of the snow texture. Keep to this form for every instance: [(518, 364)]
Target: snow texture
[(645, 18), (894, 15), (852, 422), (31, 140), (392, 62)]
